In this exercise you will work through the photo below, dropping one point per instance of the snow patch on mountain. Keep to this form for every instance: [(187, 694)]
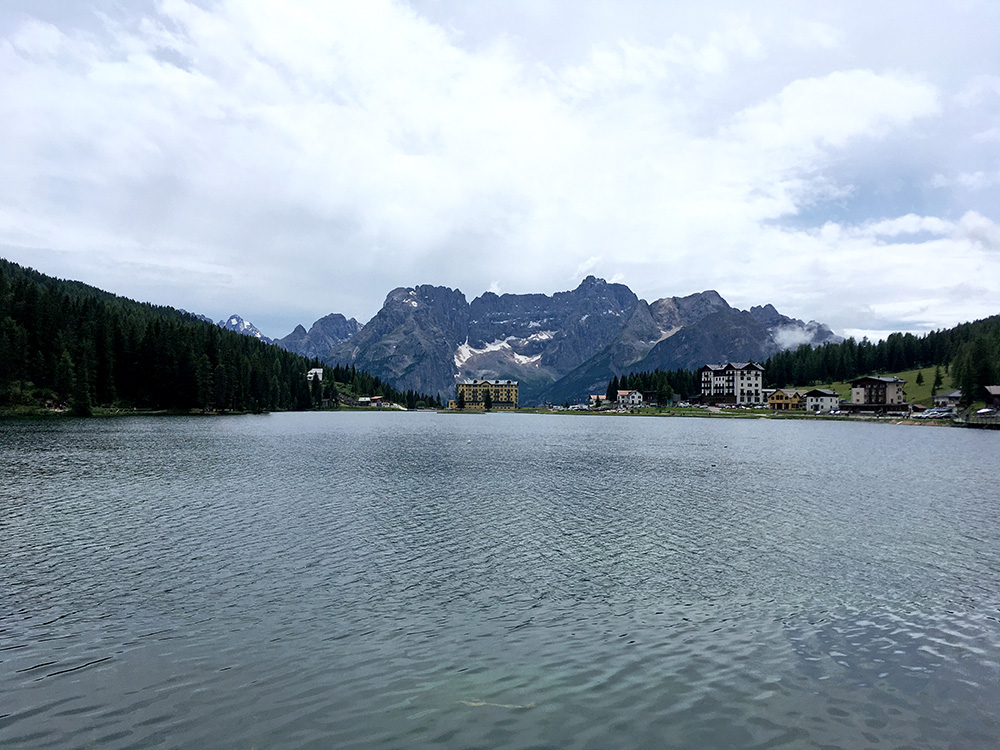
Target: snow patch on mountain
[(465, 352)]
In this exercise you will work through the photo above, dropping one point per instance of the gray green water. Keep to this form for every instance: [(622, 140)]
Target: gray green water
[(480, 581)]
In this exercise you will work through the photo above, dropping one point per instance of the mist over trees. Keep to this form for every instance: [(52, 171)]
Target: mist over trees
[(969, 352)]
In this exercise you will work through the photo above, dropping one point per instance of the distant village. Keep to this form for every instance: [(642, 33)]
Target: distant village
[(734, 385), (739, 385)]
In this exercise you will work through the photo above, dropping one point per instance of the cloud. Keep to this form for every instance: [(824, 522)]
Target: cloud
[(791, 337), (978, 180), (980, 230), (831, 110), (902, 225), (289, 161)]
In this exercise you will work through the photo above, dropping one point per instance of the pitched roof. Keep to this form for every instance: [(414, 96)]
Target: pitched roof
[(734, 366)]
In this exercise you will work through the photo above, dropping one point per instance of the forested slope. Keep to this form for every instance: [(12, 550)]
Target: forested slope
[(64, 342), (970, 354)]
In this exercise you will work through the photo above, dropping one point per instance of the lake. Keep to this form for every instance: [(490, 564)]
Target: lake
[(406, 580)]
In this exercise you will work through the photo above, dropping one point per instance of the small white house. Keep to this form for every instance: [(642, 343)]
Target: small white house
[(315, 373), (822, 399), (630, 398)]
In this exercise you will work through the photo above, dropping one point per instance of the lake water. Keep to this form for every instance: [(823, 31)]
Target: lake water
[(402, 580)]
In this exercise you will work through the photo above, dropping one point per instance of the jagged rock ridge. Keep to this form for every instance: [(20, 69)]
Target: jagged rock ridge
[(560, 347), (321, 337)]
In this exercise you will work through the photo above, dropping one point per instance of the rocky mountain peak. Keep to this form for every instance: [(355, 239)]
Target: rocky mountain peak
[(236, 323), (321, 337)]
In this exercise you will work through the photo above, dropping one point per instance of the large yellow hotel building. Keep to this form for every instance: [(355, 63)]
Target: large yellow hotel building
[(502, 392)]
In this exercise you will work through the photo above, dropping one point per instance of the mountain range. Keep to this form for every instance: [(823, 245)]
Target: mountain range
[(560, 347)]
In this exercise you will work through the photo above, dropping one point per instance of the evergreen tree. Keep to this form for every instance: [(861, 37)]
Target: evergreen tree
[(80, 402), (487, 399), (65, 384), (611, 395), (203, 382)]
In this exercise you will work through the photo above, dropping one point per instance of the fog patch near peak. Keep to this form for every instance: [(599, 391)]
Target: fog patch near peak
[(791, 337)]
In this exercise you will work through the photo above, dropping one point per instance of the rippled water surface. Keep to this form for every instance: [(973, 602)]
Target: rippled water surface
[(478, 581)]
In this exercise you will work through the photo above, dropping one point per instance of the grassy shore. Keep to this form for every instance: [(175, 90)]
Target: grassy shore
[(915, 394)]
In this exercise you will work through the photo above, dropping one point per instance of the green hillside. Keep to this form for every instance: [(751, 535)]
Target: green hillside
[(917, 394)]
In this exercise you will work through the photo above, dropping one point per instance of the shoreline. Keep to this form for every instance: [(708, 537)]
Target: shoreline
[(666, 412)]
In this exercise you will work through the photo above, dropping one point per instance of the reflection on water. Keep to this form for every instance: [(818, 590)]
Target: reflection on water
[(407, 580)]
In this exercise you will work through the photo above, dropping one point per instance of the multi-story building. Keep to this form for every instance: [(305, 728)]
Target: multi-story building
[(877, 391), (732, 383), (503, 394)]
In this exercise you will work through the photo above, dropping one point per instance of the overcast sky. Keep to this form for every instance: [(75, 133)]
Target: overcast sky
[(287, 160)]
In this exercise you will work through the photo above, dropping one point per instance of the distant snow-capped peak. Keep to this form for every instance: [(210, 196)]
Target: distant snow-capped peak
[(236, 323)]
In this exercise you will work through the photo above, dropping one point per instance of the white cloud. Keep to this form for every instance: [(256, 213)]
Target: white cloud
[(909, 224), (980, 230), (288, 161), (791, 337), (978, 180), (831, 110)]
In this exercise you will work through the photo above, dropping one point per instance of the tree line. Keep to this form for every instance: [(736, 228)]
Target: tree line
[(363, 383), (663, 383), (67, 343), (969, 353)]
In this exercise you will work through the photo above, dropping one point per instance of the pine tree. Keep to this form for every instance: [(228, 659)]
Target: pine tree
[(65, 384), (81, 402), (611, 395)]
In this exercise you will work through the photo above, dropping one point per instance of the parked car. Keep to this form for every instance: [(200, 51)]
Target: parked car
[(938, 412)]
